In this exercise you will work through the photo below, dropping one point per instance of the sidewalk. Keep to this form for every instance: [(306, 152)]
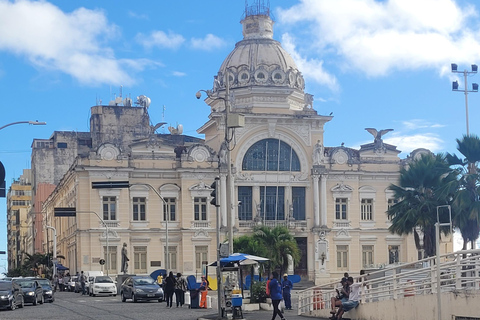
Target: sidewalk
[(262, 314)]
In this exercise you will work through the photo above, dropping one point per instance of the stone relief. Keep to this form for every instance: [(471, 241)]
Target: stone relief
[(108, 152)]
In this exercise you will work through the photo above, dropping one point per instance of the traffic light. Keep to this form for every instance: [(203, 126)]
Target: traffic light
[(216, 187)]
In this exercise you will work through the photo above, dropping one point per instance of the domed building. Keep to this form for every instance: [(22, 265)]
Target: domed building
[(263, 139)]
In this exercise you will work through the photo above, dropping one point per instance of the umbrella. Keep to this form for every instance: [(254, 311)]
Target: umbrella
[(60, 267), (239, 258)]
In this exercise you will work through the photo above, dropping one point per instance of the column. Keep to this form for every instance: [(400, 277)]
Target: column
[(316, 202), (323, 199)]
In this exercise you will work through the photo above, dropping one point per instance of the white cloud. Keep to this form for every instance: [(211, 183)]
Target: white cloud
[(414, 124), (209, 43), (68, 42), (311, 69), (160, 39), (179, 74), (408, 143), (377, 37)]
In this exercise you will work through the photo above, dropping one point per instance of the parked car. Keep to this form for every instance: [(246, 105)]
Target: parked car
[(48, 293), (11, 295), (90, 275), (71, 284), (103, 285), (140, 288), (32, 291)]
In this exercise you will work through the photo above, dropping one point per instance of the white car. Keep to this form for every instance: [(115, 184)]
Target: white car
[(103, 285)]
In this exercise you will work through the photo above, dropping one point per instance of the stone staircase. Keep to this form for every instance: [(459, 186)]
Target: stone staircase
[(303, 284)]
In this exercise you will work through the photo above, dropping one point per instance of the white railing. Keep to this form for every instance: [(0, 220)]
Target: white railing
[(459, 272)]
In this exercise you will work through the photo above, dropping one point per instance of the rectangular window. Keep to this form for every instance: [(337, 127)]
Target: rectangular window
[(367, 256), (272, 201), (170, 206), (62, 145), (109, 208), (140, 259), (390, 203), (245, 203), (342, 257), (341, 208), (139, 208), (393, 254), (111, 264), (367, 209), (172, 256), (298, 199), (201, 255), (200, 208)]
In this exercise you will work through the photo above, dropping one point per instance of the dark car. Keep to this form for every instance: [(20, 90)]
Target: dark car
[(11, 295), (32, 291), (140, 288), (48, 294)]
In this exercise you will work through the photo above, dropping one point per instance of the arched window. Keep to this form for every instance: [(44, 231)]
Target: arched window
[(271, 155)]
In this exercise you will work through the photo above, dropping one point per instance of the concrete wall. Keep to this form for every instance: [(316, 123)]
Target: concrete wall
[(454, 304)]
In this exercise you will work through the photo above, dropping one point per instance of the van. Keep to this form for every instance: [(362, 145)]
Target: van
[(90, 275)]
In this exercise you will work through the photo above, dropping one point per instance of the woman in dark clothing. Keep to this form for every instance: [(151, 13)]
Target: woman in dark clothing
[(276, 295), (169, 288)]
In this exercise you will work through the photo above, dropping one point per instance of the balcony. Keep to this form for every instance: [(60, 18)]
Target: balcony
[(201, 224), (338, 224), (110, 224)]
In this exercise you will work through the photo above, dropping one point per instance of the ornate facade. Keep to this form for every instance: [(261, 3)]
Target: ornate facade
[(333, 199)]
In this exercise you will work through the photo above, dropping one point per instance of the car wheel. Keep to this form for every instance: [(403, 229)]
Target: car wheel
[(114, 295), (123, 297), (134, 298), (13, 304), (42, 300)]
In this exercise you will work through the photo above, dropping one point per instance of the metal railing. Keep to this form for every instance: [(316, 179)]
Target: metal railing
[(459, 272)]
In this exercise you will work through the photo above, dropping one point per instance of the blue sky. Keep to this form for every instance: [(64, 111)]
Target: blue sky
[(382, 64)]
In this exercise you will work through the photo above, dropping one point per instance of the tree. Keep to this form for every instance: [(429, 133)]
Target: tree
[(417, 197), (280, 244), (466, 201), (272, 243)]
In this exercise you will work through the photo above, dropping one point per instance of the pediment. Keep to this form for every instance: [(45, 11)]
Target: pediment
[(146, 146)]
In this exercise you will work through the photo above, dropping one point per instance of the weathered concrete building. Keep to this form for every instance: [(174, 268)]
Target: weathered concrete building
[(333, 199), (19, 233)]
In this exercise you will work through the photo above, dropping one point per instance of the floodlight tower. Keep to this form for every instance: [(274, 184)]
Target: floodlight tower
[(465, 90)]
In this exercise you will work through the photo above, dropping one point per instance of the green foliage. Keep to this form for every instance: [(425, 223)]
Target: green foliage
[(272, 243), (258, 293)]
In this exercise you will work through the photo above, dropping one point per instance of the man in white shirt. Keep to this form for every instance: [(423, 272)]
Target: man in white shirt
[(353, 298)]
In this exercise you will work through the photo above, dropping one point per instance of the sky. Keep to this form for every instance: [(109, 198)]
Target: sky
[(381, 64)]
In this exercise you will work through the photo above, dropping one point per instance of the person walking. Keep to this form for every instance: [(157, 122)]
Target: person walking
[(276, 295), (180, 288), (82, 283), (169, 288), (287, 286), (203, 292)]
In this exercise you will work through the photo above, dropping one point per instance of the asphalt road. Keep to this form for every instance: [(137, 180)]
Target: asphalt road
[(74, 306)]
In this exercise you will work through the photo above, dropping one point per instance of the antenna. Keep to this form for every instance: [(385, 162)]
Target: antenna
[(163, 118)]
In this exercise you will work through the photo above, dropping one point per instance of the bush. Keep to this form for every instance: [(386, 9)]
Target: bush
[(258, 293)]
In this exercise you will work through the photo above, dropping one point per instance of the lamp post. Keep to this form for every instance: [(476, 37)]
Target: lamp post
[(35, 123), (54, 249), (437, 248), (465, 90)]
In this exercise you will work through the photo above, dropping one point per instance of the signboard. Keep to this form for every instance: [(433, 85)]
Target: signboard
[(223, 250), (101, 261), (110, 184), (65, 212)]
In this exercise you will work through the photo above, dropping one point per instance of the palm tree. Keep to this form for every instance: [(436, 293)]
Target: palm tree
[(467, 196), (250, 245), (417, 199), (280, 244)]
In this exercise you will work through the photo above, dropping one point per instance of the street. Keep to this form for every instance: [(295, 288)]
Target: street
[(72, 306)]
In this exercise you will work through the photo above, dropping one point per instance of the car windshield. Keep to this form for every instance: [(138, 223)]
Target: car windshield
[(104, 279), (5, 286), (44, 282), (143, 281), (25, 284)]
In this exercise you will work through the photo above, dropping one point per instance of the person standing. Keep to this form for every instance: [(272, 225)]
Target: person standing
[(276, 295), (180, 288), (287, 286), (203, 292), (160, 279), (169, 288), (82, 282)]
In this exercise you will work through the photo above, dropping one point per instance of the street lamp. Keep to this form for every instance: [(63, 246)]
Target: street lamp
[(465, 90), (35, 123), (54, 250), (232, 121)]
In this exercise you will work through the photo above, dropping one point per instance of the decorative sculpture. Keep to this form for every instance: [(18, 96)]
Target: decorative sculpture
[(125, 259), (378, 136)]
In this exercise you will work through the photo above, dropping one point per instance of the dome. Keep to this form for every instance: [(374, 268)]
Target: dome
[(258, 59)]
